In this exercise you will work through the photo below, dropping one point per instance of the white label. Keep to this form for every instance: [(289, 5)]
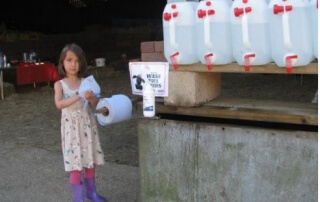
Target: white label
[(156, 72)]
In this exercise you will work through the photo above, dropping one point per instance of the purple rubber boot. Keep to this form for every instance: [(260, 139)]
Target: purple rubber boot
[(91, 192), (77, 192)]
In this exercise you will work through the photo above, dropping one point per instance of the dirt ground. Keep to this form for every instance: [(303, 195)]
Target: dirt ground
[(29, 117), (31, 157)]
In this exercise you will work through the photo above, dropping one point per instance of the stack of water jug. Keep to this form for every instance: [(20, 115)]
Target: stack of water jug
[(248, 32)]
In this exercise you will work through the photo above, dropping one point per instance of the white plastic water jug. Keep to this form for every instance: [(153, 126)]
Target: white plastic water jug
[(179, 33), (229, 2), (290, 33), (213, 33), (174, 1), (250, 36), (314, 26)]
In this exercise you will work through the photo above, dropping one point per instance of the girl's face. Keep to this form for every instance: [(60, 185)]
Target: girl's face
[(71, 63)]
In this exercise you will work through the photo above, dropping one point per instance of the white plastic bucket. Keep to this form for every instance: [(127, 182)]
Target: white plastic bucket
[(250, 35), (179, 33), (290, 33), (100, 62), (213, 33)]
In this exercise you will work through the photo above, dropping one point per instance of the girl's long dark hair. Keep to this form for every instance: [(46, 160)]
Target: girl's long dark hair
[(78, 51)]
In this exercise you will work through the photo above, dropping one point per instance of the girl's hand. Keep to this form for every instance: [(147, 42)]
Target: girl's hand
[(88, 95)]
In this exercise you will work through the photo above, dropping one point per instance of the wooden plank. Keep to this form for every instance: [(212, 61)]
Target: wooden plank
[(299, 107), (270, 68), (249, 109)]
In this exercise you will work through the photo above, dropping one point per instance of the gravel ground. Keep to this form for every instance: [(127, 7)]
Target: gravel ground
[(32, 164)]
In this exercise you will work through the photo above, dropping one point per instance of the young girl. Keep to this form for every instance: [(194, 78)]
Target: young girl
[(79, 133)]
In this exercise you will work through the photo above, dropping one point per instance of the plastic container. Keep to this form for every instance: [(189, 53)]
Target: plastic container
[(32, 56), (250, 35), (179, 33), (174, 1), (148, 100), (25, 57), (213, 33), (230, 2), (4, 61), (314, 26), (100, 62), (290, 31)]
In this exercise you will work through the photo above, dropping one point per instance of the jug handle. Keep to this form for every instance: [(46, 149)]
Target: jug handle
[(172, 34), (286, 30), (207, 40), (245, 32)]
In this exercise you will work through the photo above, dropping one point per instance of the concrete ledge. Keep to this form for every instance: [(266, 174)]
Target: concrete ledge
[(192, 88), (200, 162)]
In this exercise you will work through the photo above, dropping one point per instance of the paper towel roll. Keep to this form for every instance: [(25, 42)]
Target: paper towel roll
[(119, 106)]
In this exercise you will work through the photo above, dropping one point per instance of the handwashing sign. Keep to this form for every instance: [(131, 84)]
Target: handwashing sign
[(156, 73)]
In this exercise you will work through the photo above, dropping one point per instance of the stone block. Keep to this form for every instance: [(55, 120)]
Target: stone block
[(158, 46), (190, 89), (153, 57), (147, 47)]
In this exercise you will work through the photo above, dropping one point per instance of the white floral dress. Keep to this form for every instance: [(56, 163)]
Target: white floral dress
[(79, 134)]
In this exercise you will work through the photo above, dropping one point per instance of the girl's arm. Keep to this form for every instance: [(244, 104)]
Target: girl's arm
[(58, 97)]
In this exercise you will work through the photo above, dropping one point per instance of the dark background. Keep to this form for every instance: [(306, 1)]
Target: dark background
[(70, 16), (103, 28)]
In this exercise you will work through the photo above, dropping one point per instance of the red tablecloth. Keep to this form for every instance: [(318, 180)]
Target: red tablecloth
[(28, 73)]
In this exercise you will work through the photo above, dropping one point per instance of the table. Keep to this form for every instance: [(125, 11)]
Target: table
[(28, 73)]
